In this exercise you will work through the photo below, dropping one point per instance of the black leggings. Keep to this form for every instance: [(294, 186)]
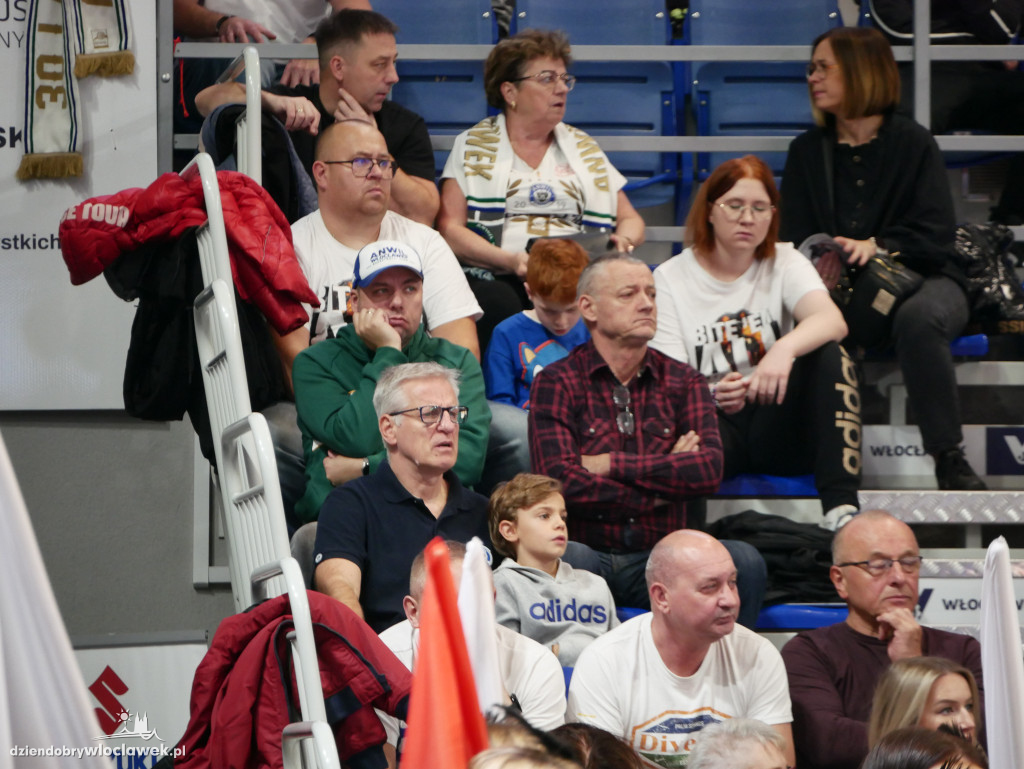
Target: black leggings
[(817, 428)]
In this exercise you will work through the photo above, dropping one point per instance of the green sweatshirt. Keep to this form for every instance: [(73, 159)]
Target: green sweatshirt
[(334, 383)]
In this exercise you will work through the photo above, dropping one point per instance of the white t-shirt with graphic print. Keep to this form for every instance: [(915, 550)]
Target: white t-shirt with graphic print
[(621, 684), (720, 326)]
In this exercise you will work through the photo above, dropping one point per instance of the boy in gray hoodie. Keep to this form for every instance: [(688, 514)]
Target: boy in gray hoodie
[(538, 594)]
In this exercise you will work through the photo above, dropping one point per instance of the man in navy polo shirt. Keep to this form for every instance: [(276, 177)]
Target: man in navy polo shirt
[(372, 528)]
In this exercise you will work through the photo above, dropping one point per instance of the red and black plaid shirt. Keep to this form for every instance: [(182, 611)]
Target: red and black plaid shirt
[(644, 496)]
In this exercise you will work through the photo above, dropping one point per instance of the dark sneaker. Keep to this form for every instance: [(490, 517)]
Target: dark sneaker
[(954, 473)]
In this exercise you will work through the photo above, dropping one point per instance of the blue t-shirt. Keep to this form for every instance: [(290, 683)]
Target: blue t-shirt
[(519, 348)]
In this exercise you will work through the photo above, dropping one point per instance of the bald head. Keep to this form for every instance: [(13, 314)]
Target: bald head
[(871, 526), (680, 552), (342, 134)]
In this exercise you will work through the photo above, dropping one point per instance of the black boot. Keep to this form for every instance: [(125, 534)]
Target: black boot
[(954, 473)]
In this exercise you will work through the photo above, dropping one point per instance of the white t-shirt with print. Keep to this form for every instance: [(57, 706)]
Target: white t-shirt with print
[(328, 267), (721, 326), (621, 684)]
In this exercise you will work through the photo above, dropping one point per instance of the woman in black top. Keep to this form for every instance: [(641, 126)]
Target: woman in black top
[(875, 180)]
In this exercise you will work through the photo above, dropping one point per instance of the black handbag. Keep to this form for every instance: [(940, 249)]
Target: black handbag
[(878, 289), (868, 295)]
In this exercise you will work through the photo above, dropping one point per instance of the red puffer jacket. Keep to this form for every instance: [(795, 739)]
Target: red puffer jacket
[(243, 693), (96, 232)]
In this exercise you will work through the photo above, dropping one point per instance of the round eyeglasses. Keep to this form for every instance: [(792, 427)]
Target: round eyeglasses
[(431, 415), (734, 211), (361, 166), (547, 77)]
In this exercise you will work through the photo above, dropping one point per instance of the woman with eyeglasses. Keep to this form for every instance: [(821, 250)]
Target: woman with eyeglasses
[(932, 692), (753, 316), (524, 174), (876, 182)]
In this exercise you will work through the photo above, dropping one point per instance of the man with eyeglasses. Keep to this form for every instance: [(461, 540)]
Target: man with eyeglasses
[(335, 379), (372, 528), (632, 435), (357, 54), (833, 670)]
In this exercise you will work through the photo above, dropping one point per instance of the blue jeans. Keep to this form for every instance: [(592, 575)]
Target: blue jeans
[(624, 574)]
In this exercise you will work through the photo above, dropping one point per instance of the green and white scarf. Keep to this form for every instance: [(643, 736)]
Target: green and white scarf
[(98, 34)]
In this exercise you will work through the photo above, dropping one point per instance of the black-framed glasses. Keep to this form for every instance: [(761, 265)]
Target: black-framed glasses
[(624, 419), (734, 211), (361, 166), (548, 77), (876, 567), (815, 66), (431, 415)]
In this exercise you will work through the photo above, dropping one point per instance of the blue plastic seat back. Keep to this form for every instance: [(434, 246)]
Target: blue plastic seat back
[(597, 22), (629, 99), (448, 95), (740, 22), (441, 21), (750, 99)]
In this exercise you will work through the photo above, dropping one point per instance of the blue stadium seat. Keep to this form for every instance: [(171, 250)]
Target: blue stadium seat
[(781, 22), (631, 99), (627, 612), (448, 95), (750, 99), (759, 485), (800, 616), (597, 22), (441, 21)]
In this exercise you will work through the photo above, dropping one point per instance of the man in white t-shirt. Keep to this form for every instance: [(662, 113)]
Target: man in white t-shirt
[(660, 678), (530, 673)]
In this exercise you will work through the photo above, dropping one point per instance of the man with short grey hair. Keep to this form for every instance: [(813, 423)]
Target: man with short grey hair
[(632, 435), (372, 528), (739, 743)]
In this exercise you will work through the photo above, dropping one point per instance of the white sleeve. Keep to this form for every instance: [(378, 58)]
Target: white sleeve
[(669, 336), (302, 240), (769, 699), (799, 276), (392, 727), (453, 165), (541, 692), (592, 694), (446, 293)]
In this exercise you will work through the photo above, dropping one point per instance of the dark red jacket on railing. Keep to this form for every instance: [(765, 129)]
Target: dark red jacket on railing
[(96, 232)]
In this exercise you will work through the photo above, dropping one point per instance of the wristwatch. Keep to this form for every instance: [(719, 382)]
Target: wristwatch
[(366, 465)]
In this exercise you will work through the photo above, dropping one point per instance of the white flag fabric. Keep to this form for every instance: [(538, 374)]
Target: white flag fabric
[(44, 705), (1001, 662), (476, 608)]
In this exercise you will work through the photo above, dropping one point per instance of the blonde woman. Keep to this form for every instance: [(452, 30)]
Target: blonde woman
[(928, 692)]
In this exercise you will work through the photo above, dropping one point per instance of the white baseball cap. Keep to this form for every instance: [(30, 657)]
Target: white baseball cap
[(374, 258)]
